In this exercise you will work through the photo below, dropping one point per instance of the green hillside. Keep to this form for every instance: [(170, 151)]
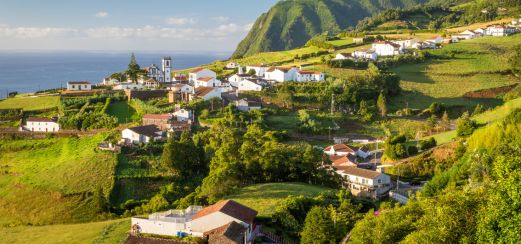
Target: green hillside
[(290, 24), (113, 231), (266, 197), (52, 180)]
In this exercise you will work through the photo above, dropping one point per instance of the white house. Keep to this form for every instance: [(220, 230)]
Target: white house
[(232, 65), (365, 54), (304, 75), (259, 69), (342, 150), (364, 182), (250, 85), (436, 40), (480, 31), (224, 212), (79, 86), (206, 93), (466, 35), (341, 56), (200, 222), (40, 124), (131, 86), (245, 104), (387, 48), (281, 74), (500, 30), (182, 88), (207, 82), (236, 78), (183, 114), (142, 134), (407, 43), (425, 45), (201, 73)]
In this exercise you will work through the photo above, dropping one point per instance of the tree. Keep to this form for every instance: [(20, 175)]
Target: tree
[(252, 72), (382, 104), (432, 121), (445, 121), (465, 125), (365, 112), (133, 70), (318, 227)]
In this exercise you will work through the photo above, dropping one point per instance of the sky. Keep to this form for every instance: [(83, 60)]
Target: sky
[(138, 25)]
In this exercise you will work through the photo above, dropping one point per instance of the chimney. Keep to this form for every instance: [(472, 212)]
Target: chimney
[(240, 70)]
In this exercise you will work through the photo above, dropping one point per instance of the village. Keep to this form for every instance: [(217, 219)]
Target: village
[(356, 160)]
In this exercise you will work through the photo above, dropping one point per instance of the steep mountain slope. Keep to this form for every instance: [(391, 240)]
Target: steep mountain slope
[(291, 23)]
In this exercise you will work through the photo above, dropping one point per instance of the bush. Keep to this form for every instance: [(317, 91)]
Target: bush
[(465, 125), (427, 144), (412, 150), (347, 63)]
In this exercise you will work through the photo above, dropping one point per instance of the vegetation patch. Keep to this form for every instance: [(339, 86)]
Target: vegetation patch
[(29, 103), (265, 198)]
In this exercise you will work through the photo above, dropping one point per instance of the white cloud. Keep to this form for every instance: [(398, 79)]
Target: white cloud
[(218, 37), (221, 19), (102, 14), (35, 32), (180, 21)]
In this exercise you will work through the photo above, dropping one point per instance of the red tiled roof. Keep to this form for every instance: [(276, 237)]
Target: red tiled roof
[(342, 148), (348, 160), (196, 70), (231, 208), (201, 91), (157, 116), (205, 79)]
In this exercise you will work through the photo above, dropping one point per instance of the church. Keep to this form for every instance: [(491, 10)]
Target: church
[(162, 75)]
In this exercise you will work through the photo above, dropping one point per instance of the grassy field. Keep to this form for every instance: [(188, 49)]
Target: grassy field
[(266, 197), (114, 231), (28, 103), (487, 117), (51, 180), (499, 113), (122, 111), (477, 64)]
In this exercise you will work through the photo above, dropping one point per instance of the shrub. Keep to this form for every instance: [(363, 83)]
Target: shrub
[(412, 150), (427, 144)]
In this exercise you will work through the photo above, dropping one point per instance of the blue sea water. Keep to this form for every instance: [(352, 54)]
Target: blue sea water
[(32, 71)]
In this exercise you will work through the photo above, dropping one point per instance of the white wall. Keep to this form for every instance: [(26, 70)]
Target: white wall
[(201, 74), (79, 87), (212, 221), (42, 126), (211, 83), (215, 93), (183, 115), (158, 227), (246, 85)]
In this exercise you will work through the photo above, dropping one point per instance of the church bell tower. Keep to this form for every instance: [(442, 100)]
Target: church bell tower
[(167, 68)]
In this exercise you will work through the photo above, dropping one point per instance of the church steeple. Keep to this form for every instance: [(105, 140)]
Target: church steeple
[(167, 68)]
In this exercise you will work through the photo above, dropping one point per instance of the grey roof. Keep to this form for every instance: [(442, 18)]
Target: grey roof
[(147, 130)]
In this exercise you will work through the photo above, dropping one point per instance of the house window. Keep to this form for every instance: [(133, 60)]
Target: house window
[(379, 181)]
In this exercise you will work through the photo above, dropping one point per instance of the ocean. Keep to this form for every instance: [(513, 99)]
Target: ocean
[(26, 72)]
